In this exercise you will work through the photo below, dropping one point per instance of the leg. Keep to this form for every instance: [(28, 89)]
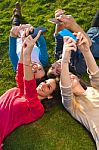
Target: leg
[(58, 46), (95, 21), (93, 33), (16, 18)]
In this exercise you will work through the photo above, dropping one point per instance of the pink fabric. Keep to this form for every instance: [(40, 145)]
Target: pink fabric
[(19, 105)]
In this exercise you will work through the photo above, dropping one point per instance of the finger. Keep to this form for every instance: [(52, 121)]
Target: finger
[(60, 11), (24, 35), (31, 28), (27, 32), (68, 39), (38, 35)]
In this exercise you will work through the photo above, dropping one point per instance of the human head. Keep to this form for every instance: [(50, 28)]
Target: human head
[(38, 70), (55, 69), (48, 89)]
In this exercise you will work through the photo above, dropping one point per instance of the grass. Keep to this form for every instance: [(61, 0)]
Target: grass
[(56, 130)]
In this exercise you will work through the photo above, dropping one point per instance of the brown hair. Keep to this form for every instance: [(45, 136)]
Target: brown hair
[(49, 103)]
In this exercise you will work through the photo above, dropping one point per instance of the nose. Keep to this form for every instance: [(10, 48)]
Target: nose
[(43, 84)]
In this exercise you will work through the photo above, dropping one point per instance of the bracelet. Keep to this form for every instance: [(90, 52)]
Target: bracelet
[(29, 65)]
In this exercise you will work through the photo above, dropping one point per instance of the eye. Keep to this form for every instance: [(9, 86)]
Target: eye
[(40, 69), (48, 85), (52, 67)]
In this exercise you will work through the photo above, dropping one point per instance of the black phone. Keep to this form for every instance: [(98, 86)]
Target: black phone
[(54, 21), (36, 30)]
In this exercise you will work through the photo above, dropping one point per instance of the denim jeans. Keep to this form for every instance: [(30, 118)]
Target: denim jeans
[(77, 60), (93, 33)]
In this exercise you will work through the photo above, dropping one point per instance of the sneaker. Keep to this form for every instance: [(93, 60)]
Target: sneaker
[(16, 18)]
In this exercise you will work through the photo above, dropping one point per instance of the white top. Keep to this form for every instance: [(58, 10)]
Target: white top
[(35, 51)]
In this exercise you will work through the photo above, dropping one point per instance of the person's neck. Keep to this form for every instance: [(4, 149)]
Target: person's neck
[(41, 98)]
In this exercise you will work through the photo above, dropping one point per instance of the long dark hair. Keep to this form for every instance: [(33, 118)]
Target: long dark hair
[(56, 100), (73, 71)]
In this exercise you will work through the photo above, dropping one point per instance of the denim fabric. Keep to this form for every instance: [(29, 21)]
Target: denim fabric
[(58, 46), (16, 21), (77, 62), (93, 33)]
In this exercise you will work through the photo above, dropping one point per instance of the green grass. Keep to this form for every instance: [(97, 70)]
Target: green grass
[(56, 130)]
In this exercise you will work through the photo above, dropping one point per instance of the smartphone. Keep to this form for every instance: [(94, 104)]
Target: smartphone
[(66, 32), (54, 21), (36, 30)]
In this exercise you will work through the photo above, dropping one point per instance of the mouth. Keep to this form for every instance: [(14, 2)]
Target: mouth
[(57, 72), (41, 88)]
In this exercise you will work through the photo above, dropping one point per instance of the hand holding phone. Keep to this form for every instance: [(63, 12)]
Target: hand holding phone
[(36, 30), (66, 32), (54, 21)]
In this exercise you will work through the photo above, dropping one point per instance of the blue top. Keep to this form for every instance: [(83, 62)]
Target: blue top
[(43, 54)]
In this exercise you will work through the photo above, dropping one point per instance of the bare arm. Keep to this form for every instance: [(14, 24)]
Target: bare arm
[(27, 49), (69, 23), (69, 44), (84, 47)]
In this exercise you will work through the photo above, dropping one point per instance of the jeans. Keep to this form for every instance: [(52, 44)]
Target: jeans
[(93, 33), (77, 60)]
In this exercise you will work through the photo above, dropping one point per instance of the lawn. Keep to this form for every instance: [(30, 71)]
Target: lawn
[(56, 130)]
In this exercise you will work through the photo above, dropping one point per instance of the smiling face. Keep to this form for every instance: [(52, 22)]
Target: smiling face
[(55, 68), (46, 88), (38, 70), (74, 80)]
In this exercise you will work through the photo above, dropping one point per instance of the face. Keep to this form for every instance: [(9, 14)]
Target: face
[(46, 88), (38, 70), (55, 68), (74, 80)]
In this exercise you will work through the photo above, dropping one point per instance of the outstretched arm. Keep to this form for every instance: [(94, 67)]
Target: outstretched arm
[(65, 81), (69, 44), (12, 45), (84, 47), (43, 55), (69, 23), (14, 34)]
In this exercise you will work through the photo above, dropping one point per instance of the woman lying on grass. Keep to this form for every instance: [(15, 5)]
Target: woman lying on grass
[(82, 104), (22, 104)]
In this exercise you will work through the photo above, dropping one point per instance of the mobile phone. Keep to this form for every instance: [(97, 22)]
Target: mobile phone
[(54, 21), (36, 30), (66, 32)]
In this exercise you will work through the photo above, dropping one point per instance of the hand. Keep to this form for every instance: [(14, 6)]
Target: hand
[(67, 20), (69, 45), (15, 31), (59, 12), (82, 42), (29, 43), (26, 32)]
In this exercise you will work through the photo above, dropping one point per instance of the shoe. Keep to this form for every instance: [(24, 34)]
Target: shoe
[(16, 18), (17, 8)]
